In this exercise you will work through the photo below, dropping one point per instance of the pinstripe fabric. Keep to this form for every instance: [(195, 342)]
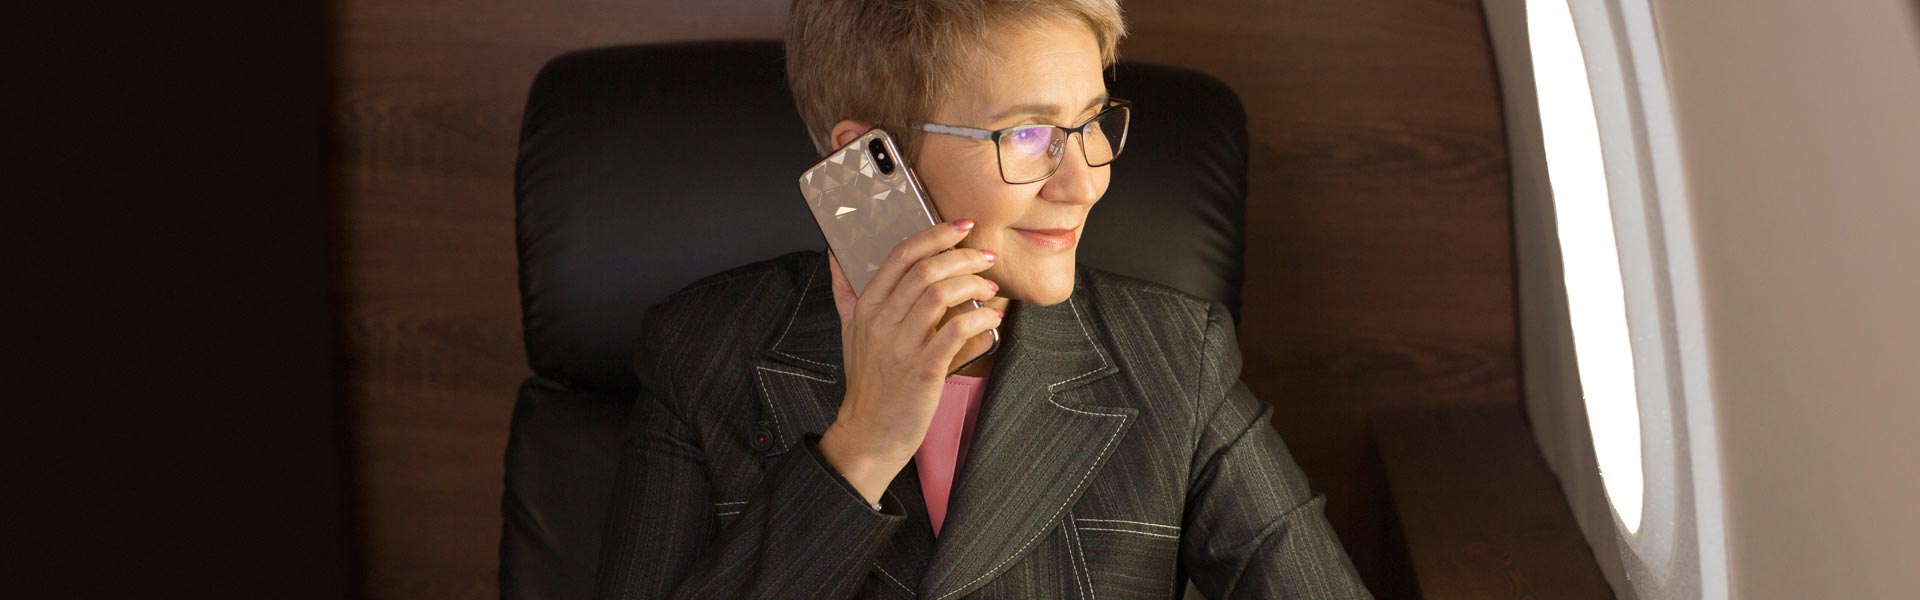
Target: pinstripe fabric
[(1116, 455)]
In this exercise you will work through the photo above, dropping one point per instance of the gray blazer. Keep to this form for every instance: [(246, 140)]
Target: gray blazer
[(1116, 455)]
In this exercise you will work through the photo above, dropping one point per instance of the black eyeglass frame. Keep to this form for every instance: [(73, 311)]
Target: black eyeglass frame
[(1067, 132)]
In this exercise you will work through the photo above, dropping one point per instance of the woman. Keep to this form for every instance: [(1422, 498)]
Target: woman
[(1108, 450)]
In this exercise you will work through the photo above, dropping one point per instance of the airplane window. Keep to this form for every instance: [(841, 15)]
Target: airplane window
[(1596, 301)]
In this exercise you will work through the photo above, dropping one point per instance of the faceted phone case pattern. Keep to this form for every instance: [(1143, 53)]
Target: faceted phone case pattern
[(863, 213)]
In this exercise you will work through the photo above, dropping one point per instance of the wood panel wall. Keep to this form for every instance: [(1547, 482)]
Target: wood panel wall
[(1379, 261)]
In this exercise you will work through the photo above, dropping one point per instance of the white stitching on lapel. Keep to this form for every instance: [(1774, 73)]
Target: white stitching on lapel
[(1158, 535), (796, 374), (1089, 520), (883, 571), (771, 407), (1063, 506), (1103, 449), (796, 315), (1089, 334), (1073, 535)]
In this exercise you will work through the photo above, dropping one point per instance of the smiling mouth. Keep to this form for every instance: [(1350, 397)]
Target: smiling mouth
[(1056, 239)]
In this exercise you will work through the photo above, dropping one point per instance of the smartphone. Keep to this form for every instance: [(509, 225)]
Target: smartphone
[(866, 201)]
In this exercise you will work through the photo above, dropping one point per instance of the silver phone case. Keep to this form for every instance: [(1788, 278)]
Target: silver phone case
[(864, 212)]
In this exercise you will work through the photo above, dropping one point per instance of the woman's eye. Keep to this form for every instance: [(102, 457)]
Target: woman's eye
[(1031, 141)]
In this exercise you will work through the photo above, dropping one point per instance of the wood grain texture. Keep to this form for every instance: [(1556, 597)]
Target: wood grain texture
[(1484, 516), (1379, 261)]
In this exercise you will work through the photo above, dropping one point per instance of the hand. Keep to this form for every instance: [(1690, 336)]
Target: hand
[(896, 352)]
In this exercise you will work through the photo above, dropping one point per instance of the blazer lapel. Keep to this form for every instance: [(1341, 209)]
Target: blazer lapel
[(798, 372), (1038, 440), (798, 375), (1036, 445)]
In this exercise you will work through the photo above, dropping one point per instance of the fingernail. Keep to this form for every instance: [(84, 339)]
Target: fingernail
[(963, 224), (990, 256), (998, 312), (996, 286)]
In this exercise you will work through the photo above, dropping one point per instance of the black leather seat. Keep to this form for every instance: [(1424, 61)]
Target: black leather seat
[(643, 168)]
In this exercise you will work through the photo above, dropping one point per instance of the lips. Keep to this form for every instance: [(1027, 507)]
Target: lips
[(1058, 238)]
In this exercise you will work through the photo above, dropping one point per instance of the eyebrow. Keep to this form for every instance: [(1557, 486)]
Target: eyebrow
[(1036, 109)]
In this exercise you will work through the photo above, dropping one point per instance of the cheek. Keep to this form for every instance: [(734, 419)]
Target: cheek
[(957, 180), (993, 205)]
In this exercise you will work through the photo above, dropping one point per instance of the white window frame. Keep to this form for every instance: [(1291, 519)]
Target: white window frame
[(1660, 280)]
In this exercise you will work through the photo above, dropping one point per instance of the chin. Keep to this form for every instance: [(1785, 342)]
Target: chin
[(1049, 291)]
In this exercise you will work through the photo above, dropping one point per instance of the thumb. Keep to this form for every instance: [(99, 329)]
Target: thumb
[(843, 296)]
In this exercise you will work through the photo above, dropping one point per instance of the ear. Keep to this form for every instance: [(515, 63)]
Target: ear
[(845, 132)]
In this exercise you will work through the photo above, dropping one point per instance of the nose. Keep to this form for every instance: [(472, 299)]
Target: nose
[(1075, 182)]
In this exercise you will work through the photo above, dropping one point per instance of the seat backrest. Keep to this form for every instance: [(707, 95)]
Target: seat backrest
[(643, 168)]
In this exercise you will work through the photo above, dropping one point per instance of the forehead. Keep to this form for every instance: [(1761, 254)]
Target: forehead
[(1044, 62)]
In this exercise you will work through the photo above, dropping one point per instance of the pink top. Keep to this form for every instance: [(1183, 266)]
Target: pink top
[(945, 447)]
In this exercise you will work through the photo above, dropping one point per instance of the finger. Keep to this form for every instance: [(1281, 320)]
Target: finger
[(947, 342), (939, 297), (905, 254), (843, 297), (931, 270)]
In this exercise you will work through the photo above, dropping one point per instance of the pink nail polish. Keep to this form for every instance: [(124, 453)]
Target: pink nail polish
[(963, 224), (990, 256), (995, 286), (997, 311)]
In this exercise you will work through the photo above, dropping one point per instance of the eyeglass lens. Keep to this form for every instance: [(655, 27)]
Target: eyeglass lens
[(1032, 153)]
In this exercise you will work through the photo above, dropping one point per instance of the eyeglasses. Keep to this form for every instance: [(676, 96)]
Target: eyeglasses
[(1029, 153)]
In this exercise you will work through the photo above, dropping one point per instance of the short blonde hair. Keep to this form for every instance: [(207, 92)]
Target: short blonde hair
[(887, 61)]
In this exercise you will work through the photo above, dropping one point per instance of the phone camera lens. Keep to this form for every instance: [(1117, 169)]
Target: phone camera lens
[(880, 158)]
